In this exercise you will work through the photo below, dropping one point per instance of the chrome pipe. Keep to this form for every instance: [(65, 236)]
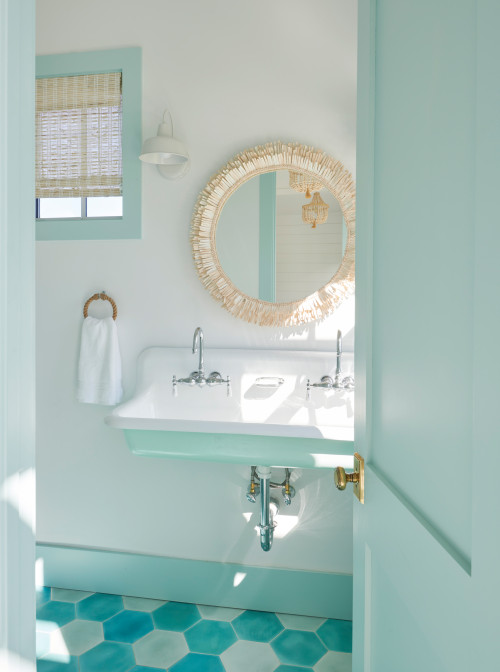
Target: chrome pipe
[(266, 522)]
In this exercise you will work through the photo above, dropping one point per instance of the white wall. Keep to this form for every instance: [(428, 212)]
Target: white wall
[(233, 75)]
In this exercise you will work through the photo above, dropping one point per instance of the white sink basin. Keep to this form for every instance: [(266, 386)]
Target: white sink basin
[(252, 410)]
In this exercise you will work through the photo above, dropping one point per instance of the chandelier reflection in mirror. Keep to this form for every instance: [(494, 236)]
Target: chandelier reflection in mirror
[(315, 212)]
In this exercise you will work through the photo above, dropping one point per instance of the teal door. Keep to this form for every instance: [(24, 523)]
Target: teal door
[(427, 539)]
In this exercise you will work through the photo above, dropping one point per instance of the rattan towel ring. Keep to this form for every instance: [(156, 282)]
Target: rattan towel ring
[(104, 297)]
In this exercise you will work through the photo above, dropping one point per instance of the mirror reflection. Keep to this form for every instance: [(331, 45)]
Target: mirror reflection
[(272, 248)]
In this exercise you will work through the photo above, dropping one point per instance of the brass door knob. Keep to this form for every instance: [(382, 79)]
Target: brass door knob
[(357, 477), (341, 478)]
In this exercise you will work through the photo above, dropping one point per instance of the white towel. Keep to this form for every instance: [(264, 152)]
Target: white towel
[(100, 367)]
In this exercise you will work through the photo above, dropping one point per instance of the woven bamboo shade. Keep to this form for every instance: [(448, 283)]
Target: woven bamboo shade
[(304, 184), (78, 136), (315, 212)]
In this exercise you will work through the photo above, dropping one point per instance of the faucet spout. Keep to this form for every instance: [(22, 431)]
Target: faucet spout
[(338, 370), (198, 345)]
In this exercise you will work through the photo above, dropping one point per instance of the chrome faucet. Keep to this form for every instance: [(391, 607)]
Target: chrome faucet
[(198, 343), (327, 382), (198, 377), (338, 370)]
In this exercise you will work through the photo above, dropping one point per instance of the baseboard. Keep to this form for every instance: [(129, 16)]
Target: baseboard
[(324, 594)]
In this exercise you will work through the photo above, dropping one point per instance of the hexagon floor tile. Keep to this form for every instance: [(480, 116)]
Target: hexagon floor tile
[(249, 657), (65, 595), (51, 665), (196, 662), (80, 636), (99, 607), (177, 616), (210, 637), (92, 632), (128, 626), (257, 626), (219, 613), (59, 613), (161, 648), (336, 635), (334, 662), (142, 603), (292, 622), (297, 647), (108, 656)]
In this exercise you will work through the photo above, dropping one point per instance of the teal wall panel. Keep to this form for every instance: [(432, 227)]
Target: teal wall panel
[(324, 594)]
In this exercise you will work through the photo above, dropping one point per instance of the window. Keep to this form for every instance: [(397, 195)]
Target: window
[(88, 140)]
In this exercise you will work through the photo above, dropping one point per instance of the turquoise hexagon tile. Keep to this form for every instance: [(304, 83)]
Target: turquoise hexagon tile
[(141, 668), (177, 616), (56, 612), (49, 665), (128, 626), (336, 635), (195, 662), (160, 648), (80, 636), (334, 662), (297, 647), (108, 656), (99, 607), (293, 668), (257, 626), (42, 595), (249, 657), (66, 595), (211, 637)]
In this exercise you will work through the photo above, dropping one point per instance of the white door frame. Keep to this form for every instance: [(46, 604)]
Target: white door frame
[(17, 337)]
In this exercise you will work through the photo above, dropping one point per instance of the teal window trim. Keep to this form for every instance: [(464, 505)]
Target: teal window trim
[(267, 237), (129, 62)]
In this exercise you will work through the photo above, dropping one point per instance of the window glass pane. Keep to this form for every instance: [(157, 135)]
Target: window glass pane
[(57, 208), (105, 206)]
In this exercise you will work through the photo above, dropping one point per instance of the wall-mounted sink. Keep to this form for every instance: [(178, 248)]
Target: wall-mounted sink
[(265, 422)]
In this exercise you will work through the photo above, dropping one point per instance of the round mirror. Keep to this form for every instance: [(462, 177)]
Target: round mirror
[(273, 235), (267, 247)]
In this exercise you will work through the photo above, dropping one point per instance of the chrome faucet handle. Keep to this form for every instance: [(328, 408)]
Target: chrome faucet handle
[(174, 386), (214, 378), (308, 390), (229, 392), (348, 383)]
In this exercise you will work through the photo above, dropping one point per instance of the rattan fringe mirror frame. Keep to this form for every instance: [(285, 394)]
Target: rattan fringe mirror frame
[(247, 164)]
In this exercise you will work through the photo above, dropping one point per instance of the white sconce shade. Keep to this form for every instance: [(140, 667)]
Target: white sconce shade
[(169, 154)]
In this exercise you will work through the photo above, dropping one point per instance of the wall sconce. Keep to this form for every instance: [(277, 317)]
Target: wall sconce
[(169, 154)]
